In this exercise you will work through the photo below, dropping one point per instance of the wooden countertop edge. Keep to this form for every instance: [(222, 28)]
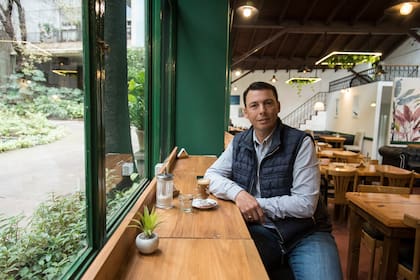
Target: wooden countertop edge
[(114, 255)]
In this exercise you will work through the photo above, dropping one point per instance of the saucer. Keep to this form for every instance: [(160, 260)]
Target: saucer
[(204, 203)]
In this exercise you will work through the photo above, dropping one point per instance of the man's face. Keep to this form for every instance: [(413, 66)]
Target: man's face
[(261, 109)]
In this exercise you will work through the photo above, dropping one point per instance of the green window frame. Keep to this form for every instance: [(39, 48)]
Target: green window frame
[(159, 120)]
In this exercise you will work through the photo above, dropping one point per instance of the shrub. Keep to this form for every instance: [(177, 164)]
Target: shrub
[(45, 247)]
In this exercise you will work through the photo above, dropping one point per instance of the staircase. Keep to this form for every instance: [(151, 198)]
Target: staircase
[(306, 113)]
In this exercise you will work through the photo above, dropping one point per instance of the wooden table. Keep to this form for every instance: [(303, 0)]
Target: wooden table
[(365, 171), (334, 140), (385, 212), (205, 244)]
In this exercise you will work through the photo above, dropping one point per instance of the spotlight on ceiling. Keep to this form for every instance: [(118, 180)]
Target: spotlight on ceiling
[(273, 79), (248, 9), (402, 7)]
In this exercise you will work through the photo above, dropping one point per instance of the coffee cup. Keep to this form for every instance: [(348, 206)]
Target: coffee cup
[(203, 188)]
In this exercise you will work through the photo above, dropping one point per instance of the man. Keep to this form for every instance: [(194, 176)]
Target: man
[(271, 172)]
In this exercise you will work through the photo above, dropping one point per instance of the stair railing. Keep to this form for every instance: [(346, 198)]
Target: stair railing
[(305, 111)]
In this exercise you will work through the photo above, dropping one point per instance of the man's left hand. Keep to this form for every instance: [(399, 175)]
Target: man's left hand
[(249, 207)]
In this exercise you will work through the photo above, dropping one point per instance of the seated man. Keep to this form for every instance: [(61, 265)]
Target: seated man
[(271, 172)]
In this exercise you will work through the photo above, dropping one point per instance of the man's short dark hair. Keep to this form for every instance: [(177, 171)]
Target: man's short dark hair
[(259, 86)]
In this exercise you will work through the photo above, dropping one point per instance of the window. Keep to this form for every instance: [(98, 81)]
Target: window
[(73, 109)]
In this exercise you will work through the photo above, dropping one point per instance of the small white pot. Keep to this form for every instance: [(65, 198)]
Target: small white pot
[(147, 245)]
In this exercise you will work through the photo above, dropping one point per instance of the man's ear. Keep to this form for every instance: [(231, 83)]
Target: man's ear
[(245, 112), (279, 106)]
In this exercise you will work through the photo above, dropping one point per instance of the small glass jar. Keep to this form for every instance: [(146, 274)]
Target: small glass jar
[(164, 190)]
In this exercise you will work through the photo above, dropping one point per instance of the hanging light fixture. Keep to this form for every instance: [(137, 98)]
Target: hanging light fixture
[(248, 9), (319, 106), (403, 7), (273, 79)]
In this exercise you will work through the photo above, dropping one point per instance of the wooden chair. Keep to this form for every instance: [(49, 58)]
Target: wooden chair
[(398, 179), (411, 271), (343, 181), (371, 238)]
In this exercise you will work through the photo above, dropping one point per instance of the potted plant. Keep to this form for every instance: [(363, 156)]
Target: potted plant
[(136, 105), (147, 241)]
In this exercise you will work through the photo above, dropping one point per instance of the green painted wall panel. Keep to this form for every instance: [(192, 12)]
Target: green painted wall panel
[(201, 75)]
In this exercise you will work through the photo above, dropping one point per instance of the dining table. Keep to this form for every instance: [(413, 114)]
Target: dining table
[(336, 141), (209, 243), (385, 213), (363, 170)]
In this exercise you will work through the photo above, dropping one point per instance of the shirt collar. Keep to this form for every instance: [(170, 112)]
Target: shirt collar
[(266, 140)]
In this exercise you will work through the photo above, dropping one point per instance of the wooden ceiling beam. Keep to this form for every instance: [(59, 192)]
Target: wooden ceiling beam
[(283, 11), (336, 28), (257, 48), (309, 11), (314, 45), (334, 12), (361, 11), (281, 45)]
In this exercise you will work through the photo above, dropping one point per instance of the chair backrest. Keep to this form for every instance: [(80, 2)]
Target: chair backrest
[(397, 179), (403, 270), (358, 138), (382, 189), (343, 181)]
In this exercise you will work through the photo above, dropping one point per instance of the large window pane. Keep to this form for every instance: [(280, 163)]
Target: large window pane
[(42, 174), (124, 104)]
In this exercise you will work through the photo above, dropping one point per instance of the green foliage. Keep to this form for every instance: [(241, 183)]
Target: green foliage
[(45, 247), (350, 60), (136, 102), (23, 131), (30, 95), (146, 222), (298, 83), (135, 62), (136, 84)]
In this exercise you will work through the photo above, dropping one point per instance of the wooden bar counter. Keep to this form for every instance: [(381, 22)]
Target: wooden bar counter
[(205, 244)]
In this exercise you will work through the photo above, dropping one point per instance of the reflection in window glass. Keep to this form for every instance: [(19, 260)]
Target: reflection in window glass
[(124, 103), (42, 190)]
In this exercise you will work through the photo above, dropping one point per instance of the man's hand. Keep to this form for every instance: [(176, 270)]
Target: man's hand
[(249, 207)]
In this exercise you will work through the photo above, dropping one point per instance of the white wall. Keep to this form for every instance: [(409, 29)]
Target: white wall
[(288, 97), (407, 54), (342, 104)]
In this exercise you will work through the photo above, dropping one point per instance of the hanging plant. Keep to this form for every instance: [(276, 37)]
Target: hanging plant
[(347, 60), (298, 83)]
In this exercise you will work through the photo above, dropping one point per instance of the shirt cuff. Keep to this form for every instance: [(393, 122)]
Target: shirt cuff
[(232, 191), (264, 204)]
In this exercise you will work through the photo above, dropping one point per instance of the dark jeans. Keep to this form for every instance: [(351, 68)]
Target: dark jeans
[(314, 256), (266, 241)]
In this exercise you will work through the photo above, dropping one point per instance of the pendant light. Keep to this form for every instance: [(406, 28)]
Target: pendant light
[(402, 7), (247, 9)]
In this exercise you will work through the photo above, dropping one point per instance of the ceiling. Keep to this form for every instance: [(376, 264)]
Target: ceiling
[(288, 34)]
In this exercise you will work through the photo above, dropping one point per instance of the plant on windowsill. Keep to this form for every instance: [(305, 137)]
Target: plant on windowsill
[(147, 241)]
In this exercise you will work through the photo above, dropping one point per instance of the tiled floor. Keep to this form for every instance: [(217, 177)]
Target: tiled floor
[(341, 233)]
